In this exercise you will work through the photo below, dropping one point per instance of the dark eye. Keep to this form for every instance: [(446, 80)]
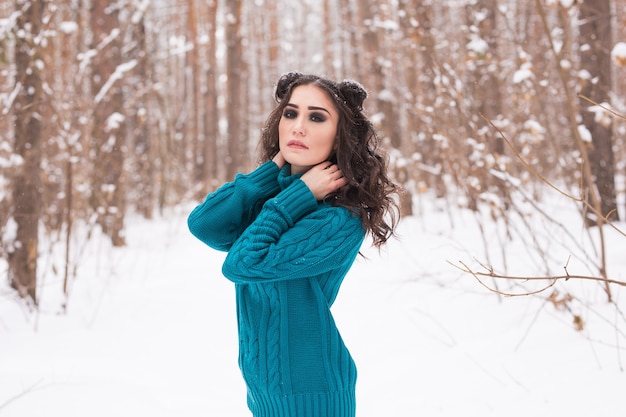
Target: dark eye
[(290, 114), (317, 117)]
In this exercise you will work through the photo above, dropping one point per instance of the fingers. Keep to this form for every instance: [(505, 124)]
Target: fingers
[(332, 170), (334, 177), (327, 165), (279, 160), (324, 179)]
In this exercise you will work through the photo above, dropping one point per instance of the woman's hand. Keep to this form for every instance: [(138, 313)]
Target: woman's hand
[(323, 179), (279, 160)]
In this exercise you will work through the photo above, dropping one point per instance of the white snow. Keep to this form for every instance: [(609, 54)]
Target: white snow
[(141, 8), (564, 3), (114, 121), (602, 114), (68, 27), (150, 329), (12, 160), (478, 45), (585, 134), (388, 25), (523, 74), (8, 101), (618, 54), (534, 127)]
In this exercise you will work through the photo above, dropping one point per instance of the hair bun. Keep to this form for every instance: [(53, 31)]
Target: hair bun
[(353, 92), (284, 82)]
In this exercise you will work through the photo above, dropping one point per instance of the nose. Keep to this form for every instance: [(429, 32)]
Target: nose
[(298, 128)]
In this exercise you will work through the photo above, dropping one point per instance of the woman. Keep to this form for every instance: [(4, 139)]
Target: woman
[(292, 229)]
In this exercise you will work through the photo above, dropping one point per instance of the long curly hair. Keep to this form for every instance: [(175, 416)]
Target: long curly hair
[(369, 192)]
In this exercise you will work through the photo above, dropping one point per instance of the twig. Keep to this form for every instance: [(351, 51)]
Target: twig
[(532, 323), (21, 394), (492, 274), (554, 278), (527, 165), (602, 107)]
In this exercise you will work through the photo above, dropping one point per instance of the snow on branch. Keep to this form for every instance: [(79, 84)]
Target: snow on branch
[(118, 74), (86, 57), (8, 24), (140, 12), (11, 98)]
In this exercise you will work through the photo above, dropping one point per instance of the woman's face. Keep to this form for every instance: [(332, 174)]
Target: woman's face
[(307, 128)]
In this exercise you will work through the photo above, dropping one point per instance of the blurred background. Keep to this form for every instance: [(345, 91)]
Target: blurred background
[(116, 107)]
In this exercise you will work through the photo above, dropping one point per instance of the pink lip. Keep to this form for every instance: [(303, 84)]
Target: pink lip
[(296, 144)]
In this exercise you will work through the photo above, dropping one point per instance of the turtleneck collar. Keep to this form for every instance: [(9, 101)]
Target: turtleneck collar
[(285, 178)]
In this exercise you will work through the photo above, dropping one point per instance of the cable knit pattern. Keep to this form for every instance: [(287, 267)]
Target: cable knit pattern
[(273, 338), (287, 255)]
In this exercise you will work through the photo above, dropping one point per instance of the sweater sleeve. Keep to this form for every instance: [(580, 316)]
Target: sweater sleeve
[(227, 212), (294, 238)]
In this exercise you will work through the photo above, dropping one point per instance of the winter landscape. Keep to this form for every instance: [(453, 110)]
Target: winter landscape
[(150, 329), (504, 122)]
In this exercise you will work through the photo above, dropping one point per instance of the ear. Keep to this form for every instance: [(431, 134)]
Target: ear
[(284, 82), (354, 93)]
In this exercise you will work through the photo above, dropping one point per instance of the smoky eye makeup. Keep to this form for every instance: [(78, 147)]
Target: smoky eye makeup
[(290, 114), (316, 114), (317, 117)]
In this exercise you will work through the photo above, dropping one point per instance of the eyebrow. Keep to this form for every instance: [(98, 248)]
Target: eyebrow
[(310, 107)]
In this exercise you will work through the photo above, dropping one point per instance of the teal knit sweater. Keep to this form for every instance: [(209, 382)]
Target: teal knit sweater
[(287, 255)]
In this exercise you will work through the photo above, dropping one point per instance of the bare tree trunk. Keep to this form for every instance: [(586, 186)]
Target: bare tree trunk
[(619, 81), (211, 117), (274, 35), (192, 75), (329, 42), (595, 33), (349, 41), (108, 199), (371, 57), (414, 24), (263, 64), (143, 150), (28, 137), (488, 89), (235, 158), (485, 89), (368, 49)]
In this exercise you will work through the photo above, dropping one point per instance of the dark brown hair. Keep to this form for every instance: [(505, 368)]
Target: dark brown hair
[(369, 191)]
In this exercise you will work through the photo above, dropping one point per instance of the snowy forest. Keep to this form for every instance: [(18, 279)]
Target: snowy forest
[(113, 108), (504, 122)]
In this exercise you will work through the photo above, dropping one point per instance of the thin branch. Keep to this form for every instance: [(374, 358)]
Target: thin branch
[(29, 390), (492, 274), (602, 107), (527, 165)]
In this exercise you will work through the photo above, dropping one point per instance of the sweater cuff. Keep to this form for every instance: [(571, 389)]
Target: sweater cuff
[(296, 201), (265, 177)]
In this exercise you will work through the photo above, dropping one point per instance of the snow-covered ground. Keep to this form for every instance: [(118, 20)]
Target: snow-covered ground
[(150, 331)]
